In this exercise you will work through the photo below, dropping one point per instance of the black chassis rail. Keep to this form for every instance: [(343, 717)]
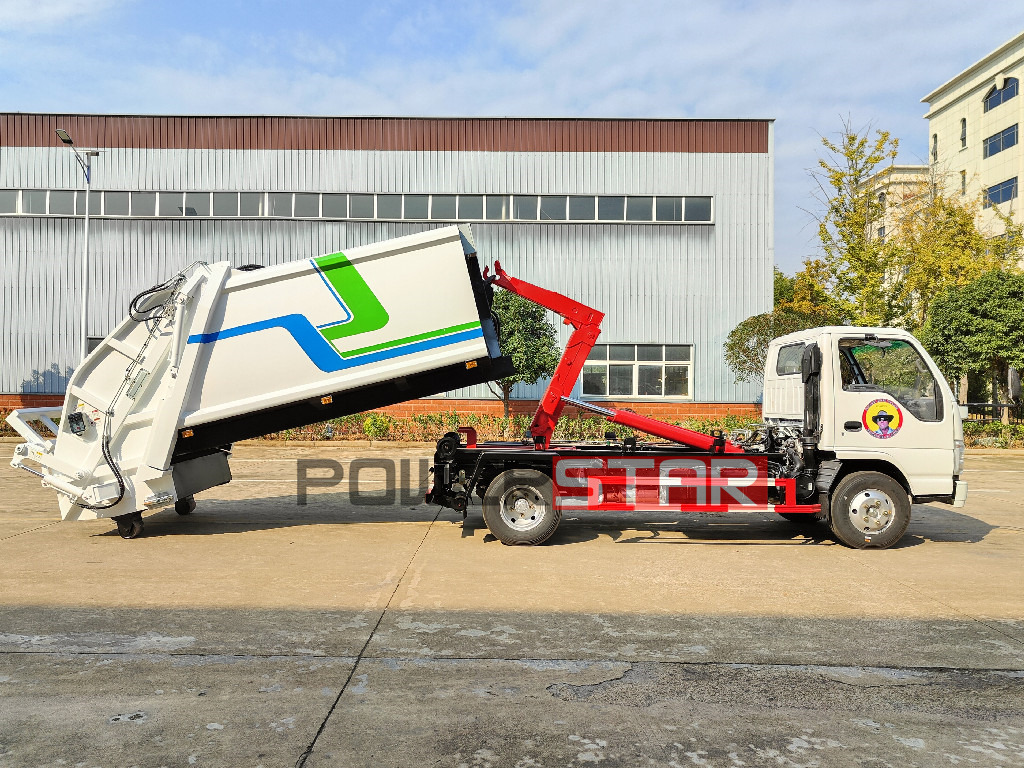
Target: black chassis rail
[(475, 468)]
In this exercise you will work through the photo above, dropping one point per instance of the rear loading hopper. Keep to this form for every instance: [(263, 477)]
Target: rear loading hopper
[(218, 354)]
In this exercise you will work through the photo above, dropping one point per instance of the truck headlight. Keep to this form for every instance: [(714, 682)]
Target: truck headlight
[(958, 456)]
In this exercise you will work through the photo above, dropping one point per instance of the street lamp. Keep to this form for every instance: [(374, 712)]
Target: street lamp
[(84, 159)]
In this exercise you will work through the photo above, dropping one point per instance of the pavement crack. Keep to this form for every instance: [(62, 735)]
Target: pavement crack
[(359, 657), (30, 530)]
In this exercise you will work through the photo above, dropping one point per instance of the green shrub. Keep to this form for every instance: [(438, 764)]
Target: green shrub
[(993, 435), (377, 426)]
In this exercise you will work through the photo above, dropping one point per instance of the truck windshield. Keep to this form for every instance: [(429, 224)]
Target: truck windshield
[(894, 367)]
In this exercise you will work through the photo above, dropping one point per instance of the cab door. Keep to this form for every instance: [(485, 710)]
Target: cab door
[(888, 404)]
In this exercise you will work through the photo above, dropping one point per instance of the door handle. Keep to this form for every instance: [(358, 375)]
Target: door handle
[(852, 426)]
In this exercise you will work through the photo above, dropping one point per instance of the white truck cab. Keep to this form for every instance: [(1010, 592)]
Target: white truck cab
[(869, 402)]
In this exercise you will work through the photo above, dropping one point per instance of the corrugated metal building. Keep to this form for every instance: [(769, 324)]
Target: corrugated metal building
[(665, 225)]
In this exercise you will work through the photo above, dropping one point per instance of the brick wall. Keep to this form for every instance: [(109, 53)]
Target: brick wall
[(667, 411), (10, 402)]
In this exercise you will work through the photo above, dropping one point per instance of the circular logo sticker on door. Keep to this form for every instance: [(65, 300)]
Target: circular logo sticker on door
[(882, 418)]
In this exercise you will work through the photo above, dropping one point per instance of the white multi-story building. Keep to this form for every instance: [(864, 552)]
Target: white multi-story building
[(974, 130)]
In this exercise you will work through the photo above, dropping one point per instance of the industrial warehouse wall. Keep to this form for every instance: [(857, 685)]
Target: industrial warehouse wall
[(671, 283)]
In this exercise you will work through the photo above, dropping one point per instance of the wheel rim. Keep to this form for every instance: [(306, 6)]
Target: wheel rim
[(872, 511), (523, 508)]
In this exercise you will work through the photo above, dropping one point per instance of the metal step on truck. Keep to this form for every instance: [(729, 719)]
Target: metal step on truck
[(859, 424)]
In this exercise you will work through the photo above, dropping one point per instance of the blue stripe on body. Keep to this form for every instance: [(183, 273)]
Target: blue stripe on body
[(321, 352)]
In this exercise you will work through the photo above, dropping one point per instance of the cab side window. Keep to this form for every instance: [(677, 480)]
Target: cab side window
[(789, 359), (895, 367)]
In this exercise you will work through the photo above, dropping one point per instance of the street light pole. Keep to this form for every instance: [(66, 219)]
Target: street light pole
[(84, 159)]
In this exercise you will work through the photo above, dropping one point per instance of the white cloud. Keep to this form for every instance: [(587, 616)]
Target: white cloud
[(807, 63), (36, 15)]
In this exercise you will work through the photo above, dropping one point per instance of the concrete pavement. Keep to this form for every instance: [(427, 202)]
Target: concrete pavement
[(259, 632)]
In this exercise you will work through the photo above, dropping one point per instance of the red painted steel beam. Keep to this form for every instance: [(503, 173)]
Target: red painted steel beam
[(586, 323), (657, 428)]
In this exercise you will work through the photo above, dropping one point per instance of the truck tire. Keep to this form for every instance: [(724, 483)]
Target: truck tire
[(869, 511), (518, 507)]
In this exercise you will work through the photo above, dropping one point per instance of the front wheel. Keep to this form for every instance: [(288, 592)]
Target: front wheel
[(869, 511), (518, 507)]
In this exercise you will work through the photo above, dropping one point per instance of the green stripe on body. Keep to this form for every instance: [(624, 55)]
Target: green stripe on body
[(367, 312), (411, 339)]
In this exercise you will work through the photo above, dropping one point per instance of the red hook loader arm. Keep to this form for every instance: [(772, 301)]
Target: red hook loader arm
[(586, 323)]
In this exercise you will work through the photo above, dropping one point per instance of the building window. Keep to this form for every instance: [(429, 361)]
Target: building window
[(33, 201), (335, 206), (997, 96), (197, 203), (471, 207), (611, 208), (95, 201), (638, 370), (367, 206), (698, 209), (279, 204), (417, 206), (996, 143), (525, 207), (442, 207), (669, 209), (224, 203), (9, 200), (552, 208), (170, 203), (389, 206), (250, 204), (117, 203), (881, 233), (581, 208), (498, 208), (935, 147), (62, 202), (881, 201), (963, 132), (307, 205), (963, 182), (143, 203), (639, 208), (1000, 193), (360, 206)]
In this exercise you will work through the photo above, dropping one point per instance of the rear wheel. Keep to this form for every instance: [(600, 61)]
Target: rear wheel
[(185, 506), (129, 526), (869, 511), (518, 507)]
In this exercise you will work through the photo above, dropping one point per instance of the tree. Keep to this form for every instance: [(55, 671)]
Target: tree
[(528, 338), (979, 328), (852, 269), (937, 244), (799, 304), (746, 347)]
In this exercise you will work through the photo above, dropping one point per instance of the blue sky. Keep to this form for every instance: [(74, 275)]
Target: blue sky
[(807, 63)]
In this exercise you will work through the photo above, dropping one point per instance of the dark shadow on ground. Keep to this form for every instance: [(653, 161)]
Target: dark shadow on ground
[(937, 523)]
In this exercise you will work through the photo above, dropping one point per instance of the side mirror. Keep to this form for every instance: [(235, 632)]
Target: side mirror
[(810, 363), (963, 412)]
